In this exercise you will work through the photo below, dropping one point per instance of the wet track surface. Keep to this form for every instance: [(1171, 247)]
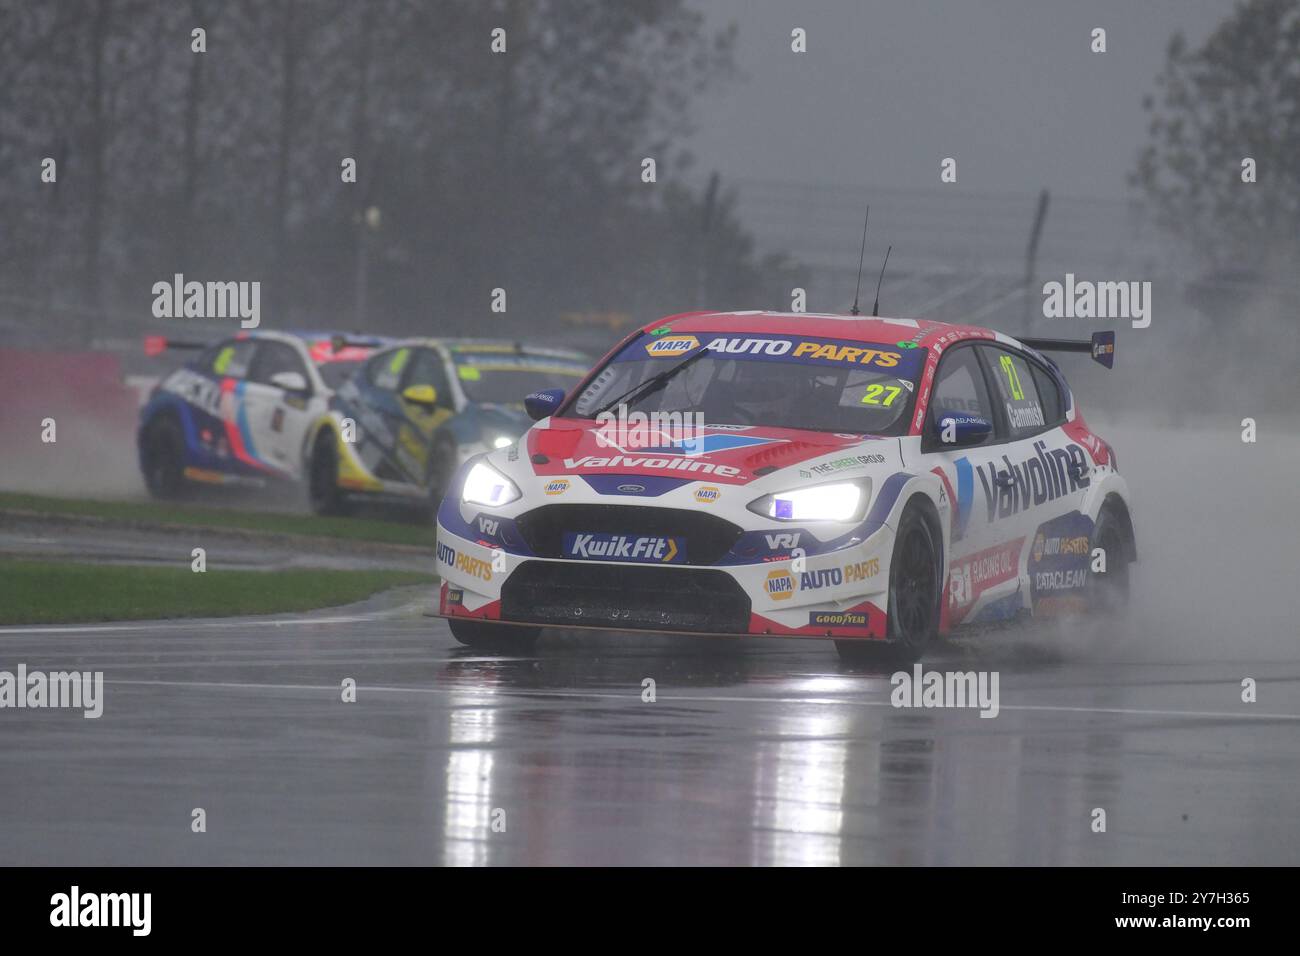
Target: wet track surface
[(763, 751), (757, 752)]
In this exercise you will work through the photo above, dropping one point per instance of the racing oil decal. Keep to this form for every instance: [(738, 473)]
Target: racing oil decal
[(971, 576), (647, 549)]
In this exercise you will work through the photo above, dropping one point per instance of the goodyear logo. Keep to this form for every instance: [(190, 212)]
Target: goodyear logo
[(625, 547), (707, 495), (779, 585), (669, 345), (838, 619), (557, 487)]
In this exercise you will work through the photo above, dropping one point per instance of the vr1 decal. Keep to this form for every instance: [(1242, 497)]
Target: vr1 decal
[(649, 549)]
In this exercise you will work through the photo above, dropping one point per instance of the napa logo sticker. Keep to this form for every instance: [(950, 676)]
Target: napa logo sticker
[(669, 346), (780, 585), (557, 487), (707, 495)]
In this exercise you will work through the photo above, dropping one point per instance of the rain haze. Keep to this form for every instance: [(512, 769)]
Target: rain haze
[(398, 177)]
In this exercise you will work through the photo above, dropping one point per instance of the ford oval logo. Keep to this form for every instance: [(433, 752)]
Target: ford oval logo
[(631, 489)]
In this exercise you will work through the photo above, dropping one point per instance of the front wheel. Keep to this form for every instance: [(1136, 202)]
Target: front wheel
[(914, 595), (163, 459), (323, 492), (487, 635)]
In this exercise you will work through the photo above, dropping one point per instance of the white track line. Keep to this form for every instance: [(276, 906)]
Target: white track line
[(210, 623), (701, 698)]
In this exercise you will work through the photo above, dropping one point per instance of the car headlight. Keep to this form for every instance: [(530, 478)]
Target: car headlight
[(841, 501), (484, 485), (502, 441)]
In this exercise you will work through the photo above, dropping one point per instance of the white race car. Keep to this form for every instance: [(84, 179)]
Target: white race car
[(874, 481)]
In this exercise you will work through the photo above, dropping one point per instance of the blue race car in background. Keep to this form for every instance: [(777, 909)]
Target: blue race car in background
[(245, 409), (402, 425)]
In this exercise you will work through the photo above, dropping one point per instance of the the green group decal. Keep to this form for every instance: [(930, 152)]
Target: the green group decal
[(906, 345)]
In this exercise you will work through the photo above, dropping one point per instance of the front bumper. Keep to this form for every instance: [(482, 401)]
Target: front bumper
[(838, 594)]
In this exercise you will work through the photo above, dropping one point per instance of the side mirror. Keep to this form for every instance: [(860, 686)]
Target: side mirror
[(543, 403), (960, 429), (289, 381), (421, 395)]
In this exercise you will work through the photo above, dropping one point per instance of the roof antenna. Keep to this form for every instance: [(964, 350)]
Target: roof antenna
[(875, 309), (861, 255)]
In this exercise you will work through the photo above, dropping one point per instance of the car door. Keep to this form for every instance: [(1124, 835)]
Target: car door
[(983, 564), (278, 418), (229, 365), (1049, 475)]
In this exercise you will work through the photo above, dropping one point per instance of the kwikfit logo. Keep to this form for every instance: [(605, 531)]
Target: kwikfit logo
[(1011, 488), (623, 547)]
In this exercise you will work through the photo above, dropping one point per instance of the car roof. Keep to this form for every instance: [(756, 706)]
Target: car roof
[(504, 346), (858, 328)]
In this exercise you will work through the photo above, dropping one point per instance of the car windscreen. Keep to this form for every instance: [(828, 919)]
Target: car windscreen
[(494, 378), (337, 372), (782, 381)]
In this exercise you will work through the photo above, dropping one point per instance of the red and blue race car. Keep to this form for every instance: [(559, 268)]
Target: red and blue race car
[(874, 481)]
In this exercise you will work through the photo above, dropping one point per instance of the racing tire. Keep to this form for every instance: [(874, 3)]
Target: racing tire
[(163, 461), (443, 467), (915, 592), (487, 636), (1108, 593), (323, 492)]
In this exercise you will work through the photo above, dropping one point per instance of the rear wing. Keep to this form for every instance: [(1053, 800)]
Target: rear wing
[(1101, 346), (157, 344)]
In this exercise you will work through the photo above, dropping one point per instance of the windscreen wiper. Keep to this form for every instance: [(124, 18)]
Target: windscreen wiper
[(653, 383)]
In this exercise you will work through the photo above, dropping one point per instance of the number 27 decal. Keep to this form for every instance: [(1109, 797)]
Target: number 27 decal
[(875, 391)]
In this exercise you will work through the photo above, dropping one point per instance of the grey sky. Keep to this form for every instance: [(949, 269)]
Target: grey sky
[(887, 89)]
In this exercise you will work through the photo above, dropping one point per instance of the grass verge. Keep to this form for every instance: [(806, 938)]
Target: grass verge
[(50, 592), (196, 516)]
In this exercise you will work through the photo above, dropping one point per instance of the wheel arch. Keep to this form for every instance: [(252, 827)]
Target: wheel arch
[(1115, 503)]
